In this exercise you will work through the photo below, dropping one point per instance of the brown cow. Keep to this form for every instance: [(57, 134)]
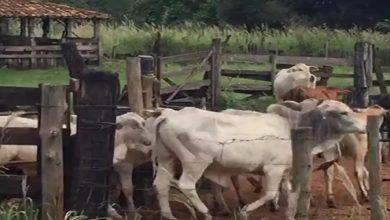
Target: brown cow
[(301, 93)]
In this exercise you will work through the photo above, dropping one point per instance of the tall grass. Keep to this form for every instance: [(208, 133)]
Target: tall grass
[(293, 40)]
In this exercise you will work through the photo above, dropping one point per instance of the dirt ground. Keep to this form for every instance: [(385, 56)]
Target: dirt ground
[(346, 208)]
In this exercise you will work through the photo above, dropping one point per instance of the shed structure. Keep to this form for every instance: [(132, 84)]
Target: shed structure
[(27, 29)]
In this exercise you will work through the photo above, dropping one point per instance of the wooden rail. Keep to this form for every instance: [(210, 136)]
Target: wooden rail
[(184, 57)]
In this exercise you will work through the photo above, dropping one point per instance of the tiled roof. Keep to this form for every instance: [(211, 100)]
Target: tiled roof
[(39, 9)]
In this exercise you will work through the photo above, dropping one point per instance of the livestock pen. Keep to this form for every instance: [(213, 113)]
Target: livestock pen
[(144, 92)]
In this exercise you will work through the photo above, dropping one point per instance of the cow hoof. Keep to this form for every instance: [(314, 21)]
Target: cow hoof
[(242, 214), (274, 207), (223, 213), (208, 216), (331, 203), (168, 216), (365, 198)]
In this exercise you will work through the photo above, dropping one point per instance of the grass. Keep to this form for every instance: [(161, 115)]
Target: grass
[(9, 77)]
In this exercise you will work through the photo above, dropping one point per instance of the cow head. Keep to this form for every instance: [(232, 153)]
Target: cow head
[(302, 76), (131, 131), (344, 122)]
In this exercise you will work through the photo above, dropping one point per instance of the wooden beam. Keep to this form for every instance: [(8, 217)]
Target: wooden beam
[(253, 58), (23, 96), (92, 153), (378, 205), (147, 91), (134, 84), (68, 28), (22, 136), (23, 27), (33, 60), (378, 72), (363, 69), (46, 23), (302, 145), (215, 85), (4, 26), (97, 24), (184, 57), (247, 74), (53, 107), (30, 27)]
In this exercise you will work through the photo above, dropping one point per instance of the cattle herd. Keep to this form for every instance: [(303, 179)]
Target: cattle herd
[(220, 146)]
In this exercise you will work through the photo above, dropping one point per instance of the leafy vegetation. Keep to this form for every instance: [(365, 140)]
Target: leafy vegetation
[(131, 39), (249, 13)]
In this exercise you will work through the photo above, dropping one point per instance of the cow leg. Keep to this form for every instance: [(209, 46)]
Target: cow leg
[(192, 172), (164, 175), (221, 205), (236, 186), (125, 171), (329, 177), (272, 179), (361, 174)]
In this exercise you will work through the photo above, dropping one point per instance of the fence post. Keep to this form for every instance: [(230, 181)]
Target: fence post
[(302, 145), (378, 71), (33, 53), (134, 84), (378, 205), (215, 83), (363, 68), (53, 107), (92, 153)]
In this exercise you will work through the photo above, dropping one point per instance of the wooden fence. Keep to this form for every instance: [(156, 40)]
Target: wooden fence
[(32, 53), (70, 168), (48, 137), (302, 144), (191, 92)]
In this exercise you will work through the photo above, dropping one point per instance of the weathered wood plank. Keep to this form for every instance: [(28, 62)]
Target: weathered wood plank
[(316, 61), (377, 83), (184, 57), (187, 87), (22, 136), (134, 84), (302, 145), (250, 88), (215, 82), (378, 205), (147, 90), (44, 48), (53, 107), (92, 153), (363, 69), (337, 75), (185, 70), (247, 74), (226, 57), (386, 69), (41, 56), (23, 96)]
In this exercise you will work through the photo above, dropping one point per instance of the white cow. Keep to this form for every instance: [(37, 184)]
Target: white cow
[(354, 145), (22, 153), (220, 145), (132, 145), (288, 79), (132, 148)]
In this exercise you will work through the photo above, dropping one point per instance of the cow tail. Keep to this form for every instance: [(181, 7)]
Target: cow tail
[(159, 122)]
